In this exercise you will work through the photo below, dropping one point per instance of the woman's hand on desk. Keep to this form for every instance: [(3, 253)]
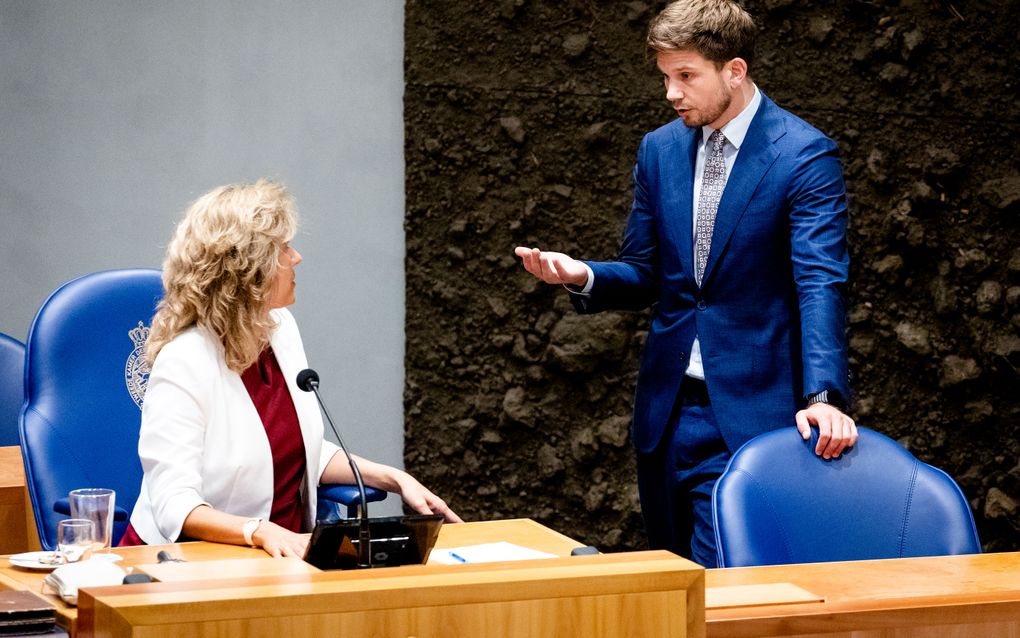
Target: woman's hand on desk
[(421, 499), (279, 542)]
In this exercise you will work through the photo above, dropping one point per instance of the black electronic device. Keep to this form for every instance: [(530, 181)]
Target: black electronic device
[(395, 540)]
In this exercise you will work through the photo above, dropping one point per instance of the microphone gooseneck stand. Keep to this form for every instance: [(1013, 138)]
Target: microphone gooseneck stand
[(308, 380)]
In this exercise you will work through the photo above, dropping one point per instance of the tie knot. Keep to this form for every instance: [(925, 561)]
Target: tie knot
[(717, 139)]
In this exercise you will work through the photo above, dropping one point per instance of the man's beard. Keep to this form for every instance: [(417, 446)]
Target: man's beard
[(724, 99)]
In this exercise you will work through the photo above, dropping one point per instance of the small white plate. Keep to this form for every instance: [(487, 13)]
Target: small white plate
[(31, 560)]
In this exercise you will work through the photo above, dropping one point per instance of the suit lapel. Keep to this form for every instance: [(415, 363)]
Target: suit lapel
[(677, 177), (756, 156)]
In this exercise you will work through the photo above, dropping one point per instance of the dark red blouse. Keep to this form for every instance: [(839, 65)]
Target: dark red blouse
[(267, 388)]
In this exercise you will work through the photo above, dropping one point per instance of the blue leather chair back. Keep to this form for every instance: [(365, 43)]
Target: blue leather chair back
[(85, 379), (12, 388), (777, 503)]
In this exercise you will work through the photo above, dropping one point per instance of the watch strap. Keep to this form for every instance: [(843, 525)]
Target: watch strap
[(248, 529), (829, 397)]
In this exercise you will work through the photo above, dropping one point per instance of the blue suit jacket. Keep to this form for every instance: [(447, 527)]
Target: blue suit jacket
[(770, 314)]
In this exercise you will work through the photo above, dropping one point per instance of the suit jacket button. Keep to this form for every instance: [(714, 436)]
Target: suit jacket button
[(701, 304)]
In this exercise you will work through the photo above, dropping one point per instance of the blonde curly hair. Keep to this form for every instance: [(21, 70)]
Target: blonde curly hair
[(220, 269)]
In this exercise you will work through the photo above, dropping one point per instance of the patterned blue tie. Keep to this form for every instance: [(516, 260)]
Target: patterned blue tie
[(712, 184)]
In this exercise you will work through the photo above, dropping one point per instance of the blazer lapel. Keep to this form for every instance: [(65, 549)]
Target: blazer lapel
[(756, 156), (677, 179)]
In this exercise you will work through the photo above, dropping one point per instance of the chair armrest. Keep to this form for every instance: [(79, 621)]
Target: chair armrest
[(347, 495), (63, 506)]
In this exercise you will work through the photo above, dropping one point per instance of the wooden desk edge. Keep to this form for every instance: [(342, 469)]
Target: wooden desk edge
[(401, 588)]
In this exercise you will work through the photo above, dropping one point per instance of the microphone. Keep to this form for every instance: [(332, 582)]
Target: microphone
[(308, 380)]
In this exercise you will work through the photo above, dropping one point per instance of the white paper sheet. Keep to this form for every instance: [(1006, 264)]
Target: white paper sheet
[(485, 553)]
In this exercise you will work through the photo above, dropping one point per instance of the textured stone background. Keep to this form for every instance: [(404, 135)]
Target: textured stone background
[(523, 118)]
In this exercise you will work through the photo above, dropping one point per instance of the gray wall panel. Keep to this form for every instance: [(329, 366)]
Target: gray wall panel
[(115, 115)]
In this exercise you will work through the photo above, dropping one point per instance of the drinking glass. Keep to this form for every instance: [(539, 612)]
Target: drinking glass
[(75, 538), (95, 504)]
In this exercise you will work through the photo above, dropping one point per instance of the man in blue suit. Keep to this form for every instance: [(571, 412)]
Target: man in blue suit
[(737, 237)]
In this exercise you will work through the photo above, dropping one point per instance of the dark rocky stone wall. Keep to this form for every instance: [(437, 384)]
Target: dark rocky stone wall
[(523, 118)]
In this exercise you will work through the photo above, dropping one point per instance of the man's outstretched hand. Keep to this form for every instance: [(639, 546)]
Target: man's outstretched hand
[(553, 268)]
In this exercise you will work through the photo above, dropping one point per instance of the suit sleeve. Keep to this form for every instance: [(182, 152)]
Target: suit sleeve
[(632, 281), (818, 227)]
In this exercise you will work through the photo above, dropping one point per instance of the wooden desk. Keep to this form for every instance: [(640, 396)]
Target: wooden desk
[(943, 597), (642, 594), (16, 578), (17, 524)]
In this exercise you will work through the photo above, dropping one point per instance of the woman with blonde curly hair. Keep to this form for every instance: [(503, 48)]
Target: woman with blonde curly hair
[(232, 451)]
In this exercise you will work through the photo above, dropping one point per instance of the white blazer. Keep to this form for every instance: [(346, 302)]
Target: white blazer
[(202, 441)]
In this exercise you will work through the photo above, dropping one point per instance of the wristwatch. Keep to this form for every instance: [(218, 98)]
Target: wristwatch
[(829, 397), (249, 528)]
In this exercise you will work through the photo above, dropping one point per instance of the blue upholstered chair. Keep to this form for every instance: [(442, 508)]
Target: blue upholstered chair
[(85, 381), (12, 388), (777, 503)]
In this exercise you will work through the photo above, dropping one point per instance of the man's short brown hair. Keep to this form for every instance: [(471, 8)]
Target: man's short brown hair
[(718, 30)]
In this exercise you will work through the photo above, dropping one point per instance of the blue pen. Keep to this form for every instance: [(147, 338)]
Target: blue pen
[(458, 557)]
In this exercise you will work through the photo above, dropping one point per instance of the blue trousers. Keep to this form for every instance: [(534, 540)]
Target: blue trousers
[(675, 480)]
